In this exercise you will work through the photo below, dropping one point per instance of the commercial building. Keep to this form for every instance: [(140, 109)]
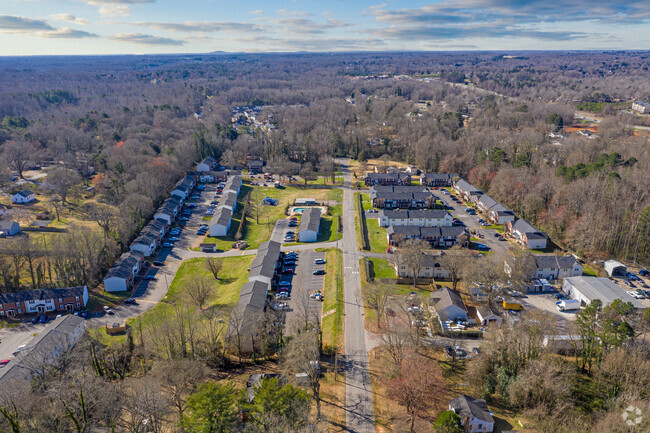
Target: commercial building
[(587, 289)]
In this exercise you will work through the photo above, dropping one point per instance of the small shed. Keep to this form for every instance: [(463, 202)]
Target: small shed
[(208, 248), (305, 202), (115, 327), (615, 268), (9, 228)]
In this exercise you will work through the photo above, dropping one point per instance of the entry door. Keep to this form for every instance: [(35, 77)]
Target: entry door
[(40, 309)]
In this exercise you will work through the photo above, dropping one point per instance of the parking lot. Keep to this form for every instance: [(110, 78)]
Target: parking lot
[(457, 210), (284, 227), (302, 304), (11, 338)]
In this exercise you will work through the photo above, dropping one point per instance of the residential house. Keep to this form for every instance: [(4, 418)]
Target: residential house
[(224, 175), (410, 200), (208, 164), (44, 348), (438, 180), (43, 301), (255, 166), (229, 200), (309, 225), (168, 211), (556, 267), (220, 222), (442, 237), (487, 315), (449, 305), (121, 275), (641, 107), (9, 228), (475, 417), (417, 218), (495, 211), (157, 226), (526, 234), (431, 268), (387, 179), (400, 189), (146, 243), (25, 196), (467, 190)]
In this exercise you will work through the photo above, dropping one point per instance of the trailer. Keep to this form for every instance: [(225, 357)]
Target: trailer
[(510, 305), (568, 305)]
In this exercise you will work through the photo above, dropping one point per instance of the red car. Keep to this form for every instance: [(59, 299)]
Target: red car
[(4, 362)]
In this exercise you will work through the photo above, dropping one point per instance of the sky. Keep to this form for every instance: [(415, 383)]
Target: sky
[(58, 27)]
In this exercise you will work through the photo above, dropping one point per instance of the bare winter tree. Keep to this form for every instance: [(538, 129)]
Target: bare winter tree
[(179, 378), (19, 155), (302, 355), (62, 182), (412, 252), (104, 215), (214, 265), (376, 296)]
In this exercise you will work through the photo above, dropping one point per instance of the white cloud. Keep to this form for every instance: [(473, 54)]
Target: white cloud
[(115, 11), (142, 39), (38, 28), (69, 18), (256, 12)]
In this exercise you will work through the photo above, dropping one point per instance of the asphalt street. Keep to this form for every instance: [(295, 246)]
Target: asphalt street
[(359, 415)]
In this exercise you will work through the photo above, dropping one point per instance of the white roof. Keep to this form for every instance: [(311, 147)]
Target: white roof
[(601, 288)]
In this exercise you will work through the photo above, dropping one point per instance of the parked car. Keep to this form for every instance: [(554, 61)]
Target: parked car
[(285, 283), (282, 295), (319, 272), (414, 309), (183, 218), (174, 239), (167, 244), (476, 350), (287, 272), (644, 272), (482, 247), (108, 310), (130, 301), (320, 261), (4, 363), (449, 350), (149, 277), (281, 306), (158, 263), (631, 276), (43, 319), (19, 349)]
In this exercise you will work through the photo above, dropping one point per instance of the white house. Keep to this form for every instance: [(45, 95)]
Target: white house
[(527, 235), (486, 316), (208, 164), (25, 196), (430, 268), (309, 225), (121, 275), (556, 267), (9, 228), (416, 218), (220, 222), (475, 417)]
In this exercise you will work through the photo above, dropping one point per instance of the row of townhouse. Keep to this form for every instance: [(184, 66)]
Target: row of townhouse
[(520, 229), (208, 164), (399, 189), (527, 235), (404, 200), (43, 301), (547, 267), (438, 180), (496, 212), (396, 178), (442, 237), (244, 327), (431, 268), (417, 218), (222, 218), (121, 276)]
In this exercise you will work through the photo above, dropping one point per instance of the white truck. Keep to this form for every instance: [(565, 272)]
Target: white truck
[(568, 305)]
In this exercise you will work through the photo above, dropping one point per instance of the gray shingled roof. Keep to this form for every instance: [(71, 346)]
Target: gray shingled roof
[(399, 188), (25, 193), (447, 297), (221, 217), (418, 213), (310, 220), (442, 176), (35, 295), (467, 187), (124, 265), (228, 199), (7, 224), (466, 407), (559, 262)]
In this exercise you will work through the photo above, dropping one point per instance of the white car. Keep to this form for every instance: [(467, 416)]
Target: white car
[(281, 306), (320, 261), (414, 309)]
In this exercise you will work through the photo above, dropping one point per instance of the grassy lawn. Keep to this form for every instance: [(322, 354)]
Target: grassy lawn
[(588, 270), (365, 200), (226, 291), (256, 233), (376, 236), (382, 268), (329, 225), (332, 325)]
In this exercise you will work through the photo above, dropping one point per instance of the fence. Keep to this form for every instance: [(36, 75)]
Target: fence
[(365, 241)]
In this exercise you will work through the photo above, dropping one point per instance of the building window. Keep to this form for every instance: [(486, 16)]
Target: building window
[(78, 305), (20, 310), (60, 300), (18, 304), (76, 298)]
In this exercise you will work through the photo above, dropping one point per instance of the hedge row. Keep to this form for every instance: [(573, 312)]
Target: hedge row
[(365, 241)]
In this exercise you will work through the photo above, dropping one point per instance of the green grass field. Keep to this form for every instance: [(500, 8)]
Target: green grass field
[(225, 295), (376, 236), (332, 325), (383, 268)]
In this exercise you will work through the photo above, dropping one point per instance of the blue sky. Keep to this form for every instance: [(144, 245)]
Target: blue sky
[(34, 27)]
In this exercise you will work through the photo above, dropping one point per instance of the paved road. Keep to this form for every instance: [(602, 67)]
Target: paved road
[(359, 415)]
